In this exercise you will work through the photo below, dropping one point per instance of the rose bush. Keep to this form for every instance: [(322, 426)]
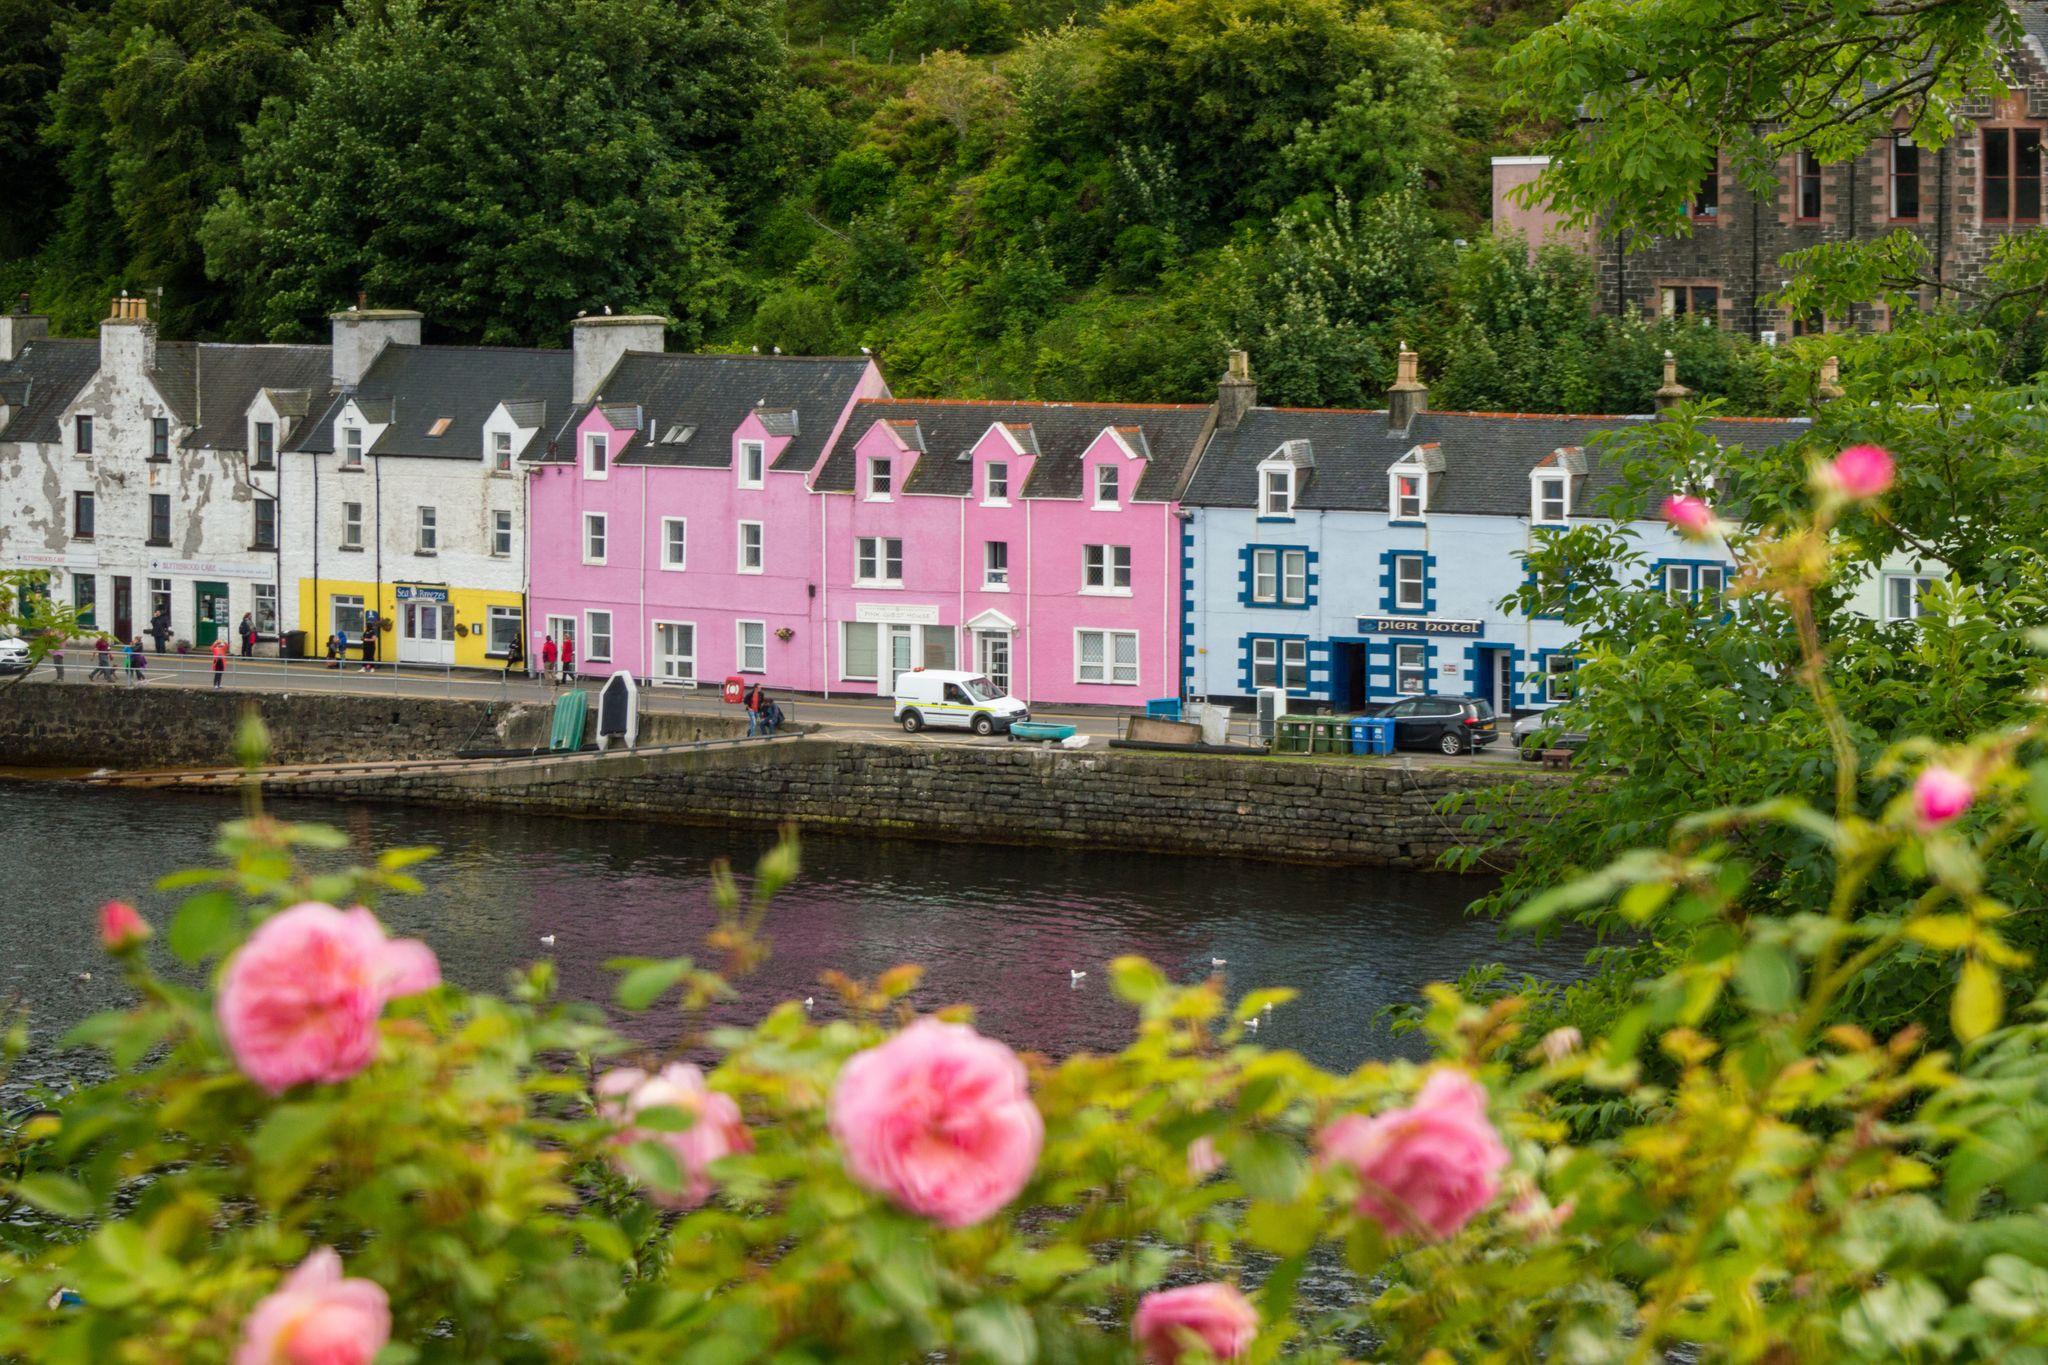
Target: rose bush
[(324, 1153)]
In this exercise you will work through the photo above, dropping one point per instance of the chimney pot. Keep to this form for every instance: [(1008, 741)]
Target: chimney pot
[(1830, 387), (597, 343), (361, 334), (1673, 393), (1238, 393), (1409, 396)]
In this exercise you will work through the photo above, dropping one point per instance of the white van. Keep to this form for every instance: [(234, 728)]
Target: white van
[(963, 701)]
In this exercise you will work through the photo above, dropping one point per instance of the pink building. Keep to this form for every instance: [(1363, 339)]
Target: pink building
[(1035, 542), (672, 530)]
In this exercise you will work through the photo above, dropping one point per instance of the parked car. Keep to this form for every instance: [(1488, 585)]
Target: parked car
[(1450, 725), (13, 655), (1540, 730), (961, 701)]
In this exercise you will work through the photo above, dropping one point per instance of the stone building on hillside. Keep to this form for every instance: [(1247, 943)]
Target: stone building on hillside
[(1961, 199)]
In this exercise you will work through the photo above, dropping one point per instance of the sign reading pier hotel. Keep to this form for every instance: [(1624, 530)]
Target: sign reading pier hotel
[(1417, 625)]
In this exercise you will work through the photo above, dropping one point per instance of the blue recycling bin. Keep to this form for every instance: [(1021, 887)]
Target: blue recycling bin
[(1372, 735), (1164, 708)]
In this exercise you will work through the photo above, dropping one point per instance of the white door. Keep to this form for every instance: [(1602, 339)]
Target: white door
[(992, 657), (426, 632), (563, 628), (902, 648), (1503, 697), (675, 652)]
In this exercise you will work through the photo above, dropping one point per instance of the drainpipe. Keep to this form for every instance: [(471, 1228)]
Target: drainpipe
[(825, 598), (315, 460), (1941, 222), (1030, 595), (1170, 608), (962, 642), (377, 588), (641, 623)]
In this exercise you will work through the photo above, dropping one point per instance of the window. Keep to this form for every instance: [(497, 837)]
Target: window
[(2012, 175), (1265, 575), (266, 525), (1713, 581), (860, 651), (1905, 596), (995, 565), (1107, 568), (1294, 577), (675, 542), (266, 445), (878, 559), (1276, 498), (351, 526), (675, 651), (429, 531), (1280, 663), (597, 455), (753, 646), (595, 534), (501, 627), (1411, 586), (1105, 485), (85, 591), (1280, 576), (1806, 184), (81, 516), (347, 614), (1106, 656), (263, 601), (597, 636), (996, 482), (878, 480), (501, 534), (1410, 498), (1905, 168), (753, 464), (1557, 678), (1690, 300), (1550, 506), (160, 597), (351, 447), (1678, 582), (159, 518), (752, 554), (501, 451), (81, 434), (159, 438), (1706, 200), (1411, 669)]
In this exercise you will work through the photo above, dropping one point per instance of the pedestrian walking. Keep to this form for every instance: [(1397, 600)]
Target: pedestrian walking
[(102, 660), (515, 657), (160, 627), (248, 629), (548, 655), (568, 658), (137, 662), (756, 704), (220, 663), (57, 654)]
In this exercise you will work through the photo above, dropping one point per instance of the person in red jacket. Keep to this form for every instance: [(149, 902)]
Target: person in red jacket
[(568, 658), (548, 655)]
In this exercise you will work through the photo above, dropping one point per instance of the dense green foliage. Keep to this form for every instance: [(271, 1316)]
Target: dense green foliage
[(1055, 198)]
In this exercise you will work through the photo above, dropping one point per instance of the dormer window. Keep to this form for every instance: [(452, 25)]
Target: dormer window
[(159, 438), (1408, 494), (1276, 492), (265, 445), (597, 455), (440, 427), (879, 473), (81, 434), (996, 483), (351, 447), (753, 464), (1105, 485), (1550, 499), (501, 451)]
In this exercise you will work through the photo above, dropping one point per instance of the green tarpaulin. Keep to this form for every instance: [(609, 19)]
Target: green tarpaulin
[(567, 731)]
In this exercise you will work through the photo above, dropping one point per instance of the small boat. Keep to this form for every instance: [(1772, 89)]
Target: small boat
[(1043, 732)]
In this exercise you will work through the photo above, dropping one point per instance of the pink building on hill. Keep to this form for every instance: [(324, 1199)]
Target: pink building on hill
[(672, 529), (1035, 542)]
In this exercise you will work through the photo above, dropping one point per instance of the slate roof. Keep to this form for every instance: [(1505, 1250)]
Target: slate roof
[(712, 395), (419, 386), (2033, 17), (212, 384), (947, 430), (51, 370), (1485, 457)]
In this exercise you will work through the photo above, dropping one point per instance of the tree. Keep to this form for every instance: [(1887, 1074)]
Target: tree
[(28, 166)]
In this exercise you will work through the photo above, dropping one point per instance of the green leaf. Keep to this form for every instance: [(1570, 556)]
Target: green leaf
[(55, 1194), (291, 1131), (398, 859), (1767, 977), (1269, 1166), (998, 1331), (1136, 981), (653, 1165), (644, 984), (205, 926), (1945, 933), (1283, 1229), (1979, 1001)]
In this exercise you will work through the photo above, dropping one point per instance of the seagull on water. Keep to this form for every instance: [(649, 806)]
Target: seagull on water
[(1075, 977), (1252, 1024), (84, 976), (547, 940), (809, 1000), (1219, 962)]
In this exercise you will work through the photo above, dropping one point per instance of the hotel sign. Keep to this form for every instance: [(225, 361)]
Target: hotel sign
[(1417, 625)]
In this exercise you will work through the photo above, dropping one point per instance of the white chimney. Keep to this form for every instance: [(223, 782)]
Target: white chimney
[(18, 330), (128, 338), (596, 344), (361, 333)]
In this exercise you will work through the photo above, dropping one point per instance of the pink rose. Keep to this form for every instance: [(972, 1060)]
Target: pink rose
[(939, 1119), (1428, 1167), (299, 1001), (317, 1317), (1940, 795), (121, 928), (1212, 1317), (1690, 516), (1203, 1158), (717, 1132), (1860, 471), (1560, 1043), (1531, 1212)]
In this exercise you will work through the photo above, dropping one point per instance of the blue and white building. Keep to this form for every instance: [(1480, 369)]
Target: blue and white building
[(1357, 557)]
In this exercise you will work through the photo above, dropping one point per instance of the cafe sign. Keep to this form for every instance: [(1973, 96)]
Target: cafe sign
[(1417, 625)]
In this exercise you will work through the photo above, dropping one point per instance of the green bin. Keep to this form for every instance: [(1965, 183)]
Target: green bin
[(1329, 735), (1294, 734)]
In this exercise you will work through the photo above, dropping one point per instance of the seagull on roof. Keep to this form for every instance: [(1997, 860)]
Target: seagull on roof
[(778, 350)]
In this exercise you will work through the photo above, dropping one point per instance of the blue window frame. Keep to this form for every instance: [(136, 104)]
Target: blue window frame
[(1400, 666), (1282, 577), (1407, 583), (1691, 580), (1550, 682)]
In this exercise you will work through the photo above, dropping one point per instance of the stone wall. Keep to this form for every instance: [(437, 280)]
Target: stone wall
[(1341, 811), (50, 726)]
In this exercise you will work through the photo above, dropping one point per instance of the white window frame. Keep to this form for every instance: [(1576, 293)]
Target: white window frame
[(351, 447), (1717, 574), (995, 484), (656, 660), (753, 464), (1265, 663), (881, 474), (1276, 490), (261, 434), (1916, 585), (995, 577), (1411, 664), (1112, 476), (1557, 676), (493, 618), (1678, 583), (588, 650), (501, 533), (1403, 506), (600, 522), (597, 455), (675, 536), (1546, 488), (1109, 665), (739, 630), (259, 594), (1402, 583), (1294, 577), (760, 545), (501, 452), (335, 603), (1266, 576), (351, 526), (846, 654), (1113, 562), (427, 524), (873, 557)]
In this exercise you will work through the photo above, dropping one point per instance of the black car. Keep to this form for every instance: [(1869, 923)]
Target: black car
[(1450, 725)]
